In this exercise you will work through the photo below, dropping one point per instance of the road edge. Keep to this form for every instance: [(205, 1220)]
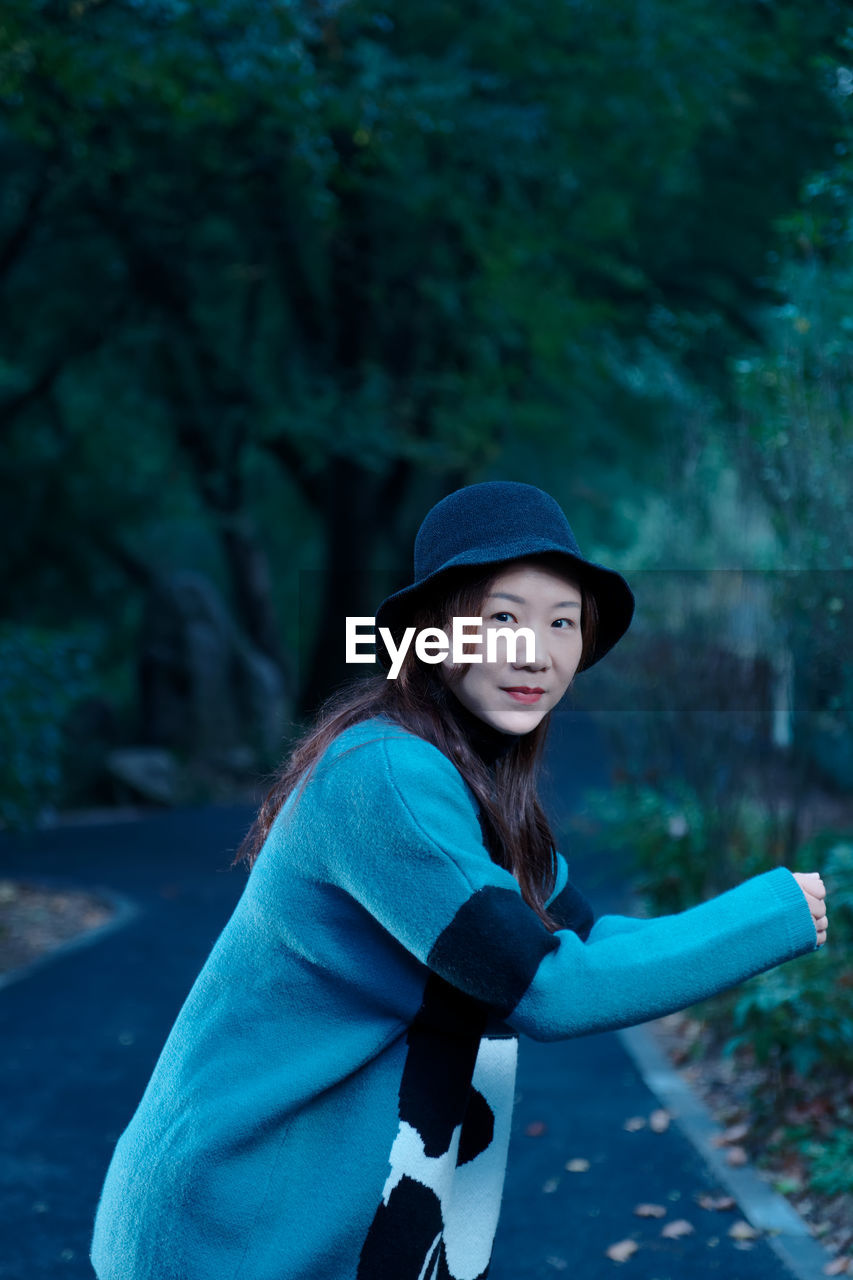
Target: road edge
[(124, 910), (766, 1210)]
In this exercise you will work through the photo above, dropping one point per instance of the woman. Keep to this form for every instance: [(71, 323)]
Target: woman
[(334, 1100)]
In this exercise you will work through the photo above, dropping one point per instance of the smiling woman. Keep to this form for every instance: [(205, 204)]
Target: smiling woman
[(334, 1099), (514, 694)]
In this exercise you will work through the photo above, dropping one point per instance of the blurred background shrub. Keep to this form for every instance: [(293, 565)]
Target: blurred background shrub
[(43, 676)]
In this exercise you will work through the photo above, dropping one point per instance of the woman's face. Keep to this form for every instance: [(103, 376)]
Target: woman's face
[(515, 696)]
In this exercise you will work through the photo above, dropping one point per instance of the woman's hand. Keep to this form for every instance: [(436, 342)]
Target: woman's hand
[(815, 891)]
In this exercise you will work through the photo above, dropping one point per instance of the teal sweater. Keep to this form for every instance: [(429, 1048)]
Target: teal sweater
[(334, 1099)]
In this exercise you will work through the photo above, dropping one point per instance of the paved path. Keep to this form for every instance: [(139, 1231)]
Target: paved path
[(81, 1033)]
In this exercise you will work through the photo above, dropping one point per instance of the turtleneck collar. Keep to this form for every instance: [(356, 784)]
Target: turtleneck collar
[(489, 743)]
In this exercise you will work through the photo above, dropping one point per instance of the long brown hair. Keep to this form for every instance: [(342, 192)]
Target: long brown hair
[(516, 830)]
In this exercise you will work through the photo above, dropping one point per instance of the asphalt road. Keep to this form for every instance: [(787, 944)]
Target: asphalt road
[(81, 1033)]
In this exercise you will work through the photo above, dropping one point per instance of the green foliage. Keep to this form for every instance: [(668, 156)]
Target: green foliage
[(800, 1017), (683, 850), (794, 403), (274, 277), (397, 236), (42, 675), (797, 1017), (798, 1022), (829, 1157), (667, 835), (831, 1163)]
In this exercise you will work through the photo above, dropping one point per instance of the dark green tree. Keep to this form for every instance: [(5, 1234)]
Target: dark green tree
[(292, 271)]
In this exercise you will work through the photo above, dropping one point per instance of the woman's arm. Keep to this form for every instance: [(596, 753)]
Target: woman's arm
[(574, 911), (810, 883), (609, 926), (629, 975), (408, 846)]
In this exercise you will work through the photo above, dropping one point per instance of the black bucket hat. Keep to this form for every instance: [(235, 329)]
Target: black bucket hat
[(496, 521)]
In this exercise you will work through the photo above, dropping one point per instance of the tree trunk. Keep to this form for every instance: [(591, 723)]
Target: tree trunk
[(363, 512), (251, 581)]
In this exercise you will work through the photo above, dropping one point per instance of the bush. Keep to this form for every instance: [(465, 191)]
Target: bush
[(831, 1162), (799, 1017), (683, 849), (794, 1017), (42, 675)]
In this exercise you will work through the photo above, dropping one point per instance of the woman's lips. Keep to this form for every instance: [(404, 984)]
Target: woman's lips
[(525, 695)]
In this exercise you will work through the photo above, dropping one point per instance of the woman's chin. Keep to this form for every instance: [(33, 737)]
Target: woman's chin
[(514, 719)]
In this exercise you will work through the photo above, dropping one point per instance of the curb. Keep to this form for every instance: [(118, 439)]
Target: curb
[(124, 908), (767, 1211)]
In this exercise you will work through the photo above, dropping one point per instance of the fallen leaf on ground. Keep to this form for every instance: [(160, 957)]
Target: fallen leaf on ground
[(736, 1156), (743, 1231), (622, 1250), (577, 1166), (634, 1123), (650, 1211), (734, 1133), (716, 1202), (676, 1229), (659, 1121), (838, 1267), (535, 1129)]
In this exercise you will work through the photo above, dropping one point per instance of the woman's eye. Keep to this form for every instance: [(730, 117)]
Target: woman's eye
[(571, 623), (502, 617)]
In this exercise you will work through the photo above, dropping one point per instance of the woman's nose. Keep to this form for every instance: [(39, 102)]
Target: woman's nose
[(541, 660)]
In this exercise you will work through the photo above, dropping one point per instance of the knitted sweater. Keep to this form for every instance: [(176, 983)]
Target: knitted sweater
[(334, 1099)]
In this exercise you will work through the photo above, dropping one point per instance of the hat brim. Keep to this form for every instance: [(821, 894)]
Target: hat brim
[(613, 596)]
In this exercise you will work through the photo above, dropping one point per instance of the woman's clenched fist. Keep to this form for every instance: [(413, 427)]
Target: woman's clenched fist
[(815, 893)]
